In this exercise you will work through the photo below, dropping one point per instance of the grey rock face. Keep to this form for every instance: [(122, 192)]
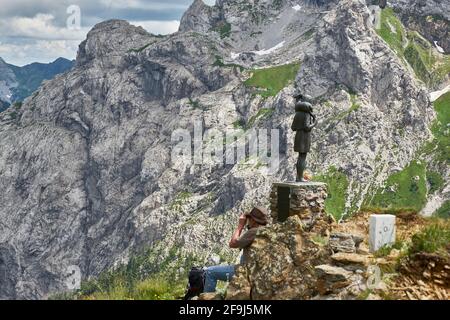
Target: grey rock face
[(199, 17), (424, 8), (92, 155), (86, 172), (107, 40), (431, 18)]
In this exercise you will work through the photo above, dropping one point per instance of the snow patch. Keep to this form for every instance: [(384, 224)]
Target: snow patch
[(438, 47), (297, 7), (268, 51), (234, 55), (260, 52), (436, 94)]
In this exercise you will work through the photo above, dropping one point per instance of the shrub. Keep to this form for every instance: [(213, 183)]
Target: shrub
[(443, 211), (433, 238), (403, 189), (13, 115), (157, 288), (435, 181), (224, 29), (386, 249), (219, 63), (393, 211), (337, 192)]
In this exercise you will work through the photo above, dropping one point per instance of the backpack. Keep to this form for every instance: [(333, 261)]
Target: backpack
[(196, 283)]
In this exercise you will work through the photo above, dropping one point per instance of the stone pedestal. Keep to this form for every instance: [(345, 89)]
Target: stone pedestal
[(305, 199), (381, 231)]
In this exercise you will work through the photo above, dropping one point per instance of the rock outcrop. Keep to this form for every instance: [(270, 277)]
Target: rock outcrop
[(281, 264), (287, 261)]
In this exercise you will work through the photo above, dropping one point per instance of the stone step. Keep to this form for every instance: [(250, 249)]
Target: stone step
[(350, 261)]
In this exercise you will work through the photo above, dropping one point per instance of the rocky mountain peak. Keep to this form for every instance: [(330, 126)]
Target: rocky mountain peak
[(199, 17), (111, 37)]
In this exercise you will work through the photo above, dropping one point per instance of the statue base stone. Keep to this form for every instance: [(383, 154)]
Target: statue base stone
[(304, 199)]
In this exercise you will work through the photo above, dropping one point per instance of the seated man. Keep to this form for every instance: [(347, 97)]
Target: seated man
[(242, 240)]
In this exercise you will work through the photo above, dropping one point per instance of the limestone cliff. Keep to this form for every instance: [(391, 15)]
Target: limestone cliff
[(86, 171)]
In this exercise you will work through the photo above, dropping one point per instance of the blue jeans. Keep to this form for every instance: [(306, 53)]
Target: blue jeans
[(214, 273)]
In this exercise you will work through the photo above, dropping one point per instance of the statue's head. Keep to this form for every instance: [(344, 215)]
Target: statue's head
[(298, 96)]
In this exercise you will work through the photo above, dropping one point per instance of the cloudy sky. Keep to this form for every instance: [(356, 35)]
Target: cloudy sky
[(43, 30)]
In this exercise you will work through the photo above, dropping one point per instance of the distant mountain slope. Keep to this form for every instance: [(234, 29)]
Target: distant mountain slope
[(3, 105), (17, 83), (7, 81), (31, 76), (430, 18)]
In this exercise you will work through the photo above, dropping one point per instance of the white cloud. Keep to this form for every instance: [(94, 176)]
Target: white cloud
[(142, 4), (158, 27), (33, 30), (39, 51), (39, 27)]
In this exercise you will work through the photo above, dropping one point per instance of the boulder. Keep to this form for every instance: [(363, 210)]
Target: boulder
[(210, 296), (331, 278), (344, 242), (350, 261), (280, 266)]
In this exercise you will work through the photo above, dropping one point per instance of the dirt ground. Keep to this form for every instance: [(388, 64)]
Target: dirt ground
[(407, 224)]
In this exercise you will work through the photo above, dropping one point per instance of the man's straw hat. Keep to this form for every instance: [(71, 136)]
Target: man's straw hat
[(259, 214)]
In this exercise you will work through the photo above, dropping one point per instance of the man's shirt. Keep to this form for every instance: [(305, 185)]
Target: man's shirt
[(244, 241)]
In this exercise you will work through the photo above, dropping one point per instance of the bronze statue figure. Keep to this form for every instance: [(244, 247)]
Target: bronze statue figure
[(303, 123)]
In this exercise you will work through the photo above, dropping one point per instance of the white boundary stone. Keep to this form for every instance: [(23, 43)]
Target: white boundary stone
[(381, 231)]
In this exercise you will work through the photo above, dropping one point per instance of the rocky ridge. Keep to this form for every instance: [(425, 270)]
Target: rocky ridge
[(86, 163)]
